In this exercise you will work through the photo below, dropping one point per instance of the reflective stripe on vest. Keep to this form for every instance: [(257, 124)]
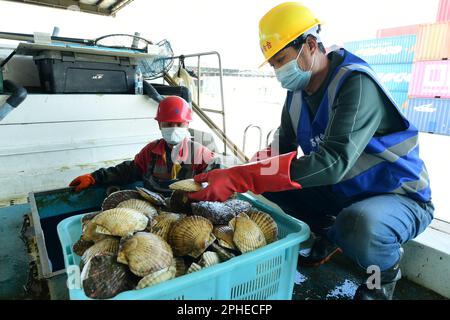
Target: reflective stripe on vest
[(388, 164)]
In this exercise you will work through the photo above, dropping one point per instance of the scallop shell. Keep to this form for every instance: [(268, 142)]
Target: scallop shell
[(216, 212), (107, 245), (247, 235), (104, 278), (120, 222), (113, 200), (157, 277), (224, 254), (145, 253), (188, 185), (179, 202), (238, 206), (191, 236), (194, 267), (224, 235), (209, 258), (162, 223), (153, 197), (232, 223), (90, 232), (88, 217), (81, 246), (180, 266), (266, 223), (140, 205)]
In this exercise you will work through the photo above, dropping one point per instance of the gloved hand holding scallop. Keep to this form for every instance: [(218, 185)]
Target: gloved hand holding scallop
[(139, 239)]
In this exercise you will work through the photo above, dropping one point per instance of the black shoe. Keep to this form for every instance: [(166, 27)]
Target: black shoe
[(388, 279), (321, 252)]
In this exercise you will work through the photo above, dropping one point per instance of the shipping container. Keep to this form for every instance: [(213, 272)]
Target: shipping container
[(443, 11), (430, 79), (384, 51), (401, 98), (433, 42), (429, 115), (395, 77), (398, 31)]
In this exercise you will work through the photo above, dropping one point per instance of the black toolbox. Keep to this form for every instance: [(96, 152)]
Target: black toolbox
[(73, 72)]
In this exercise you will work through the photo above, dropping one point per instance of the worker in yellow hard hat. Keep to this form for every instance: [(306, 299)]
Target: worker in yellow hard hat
[(360, 183)]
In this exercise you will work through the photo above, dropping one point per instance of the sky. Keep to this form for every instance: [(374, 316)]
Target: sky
[(229, 27)]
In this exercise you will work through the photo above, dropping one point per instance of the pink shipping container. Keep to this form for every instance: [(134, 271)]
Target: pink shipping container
[(433, 42), (443, 11), (430, 79), (398, 31)]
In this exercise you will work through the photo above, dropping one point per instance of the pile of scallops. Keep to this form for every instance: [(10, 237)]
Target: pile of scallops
[(140, 239)]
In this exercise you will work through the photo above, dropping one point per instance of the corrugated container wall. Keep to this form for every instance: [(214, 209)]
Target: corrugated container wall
[(429, 115), (384, 51), (433, 42), (430, 79), (401, 98), (398, 31), (443, 11), (395, 77)]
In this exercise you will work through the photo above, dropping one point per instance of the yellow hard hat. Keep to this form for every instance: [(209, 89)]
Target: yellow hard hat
[(282, 25)]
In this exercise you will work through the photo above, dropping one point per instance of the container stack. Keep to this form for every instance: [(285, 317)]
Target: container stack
[(429, 91), (419, 79), (391, 58)]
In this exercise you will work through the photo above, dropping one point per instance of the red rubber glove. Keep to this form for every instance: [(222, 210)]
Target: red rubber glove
[(82, 182), (262, 155), (270, 175)]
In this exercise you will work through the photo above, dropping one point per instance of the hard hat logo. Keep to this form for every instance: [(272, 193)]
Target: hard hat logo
[(282, 25), (267, 46)]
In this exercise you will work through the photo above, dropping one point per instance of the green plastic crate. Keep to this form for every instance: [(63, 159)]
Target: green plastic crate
[(264, 274)]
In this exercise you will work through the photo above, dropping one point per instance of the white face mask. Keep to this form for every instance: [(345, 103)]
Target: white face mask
[(174, 135)]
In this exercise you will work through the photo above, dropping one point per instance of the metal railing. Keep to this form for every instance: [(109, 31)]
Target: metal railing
[(245, 136), (199, 73)]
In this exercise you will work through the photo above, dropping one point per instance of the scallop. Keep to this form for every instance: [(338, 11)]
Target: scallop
[(179, 202), (120, 222), (90, 232), (209, 258), (103, 277), (81, 246), (266, 223), (162, 223), (238, 206), (247, 235), (232, 223), (157, 277), (153, 197), (115, 198), (224, 254), (145, 253), (188, 185), (180, 266), (140, 205), (194, 267), (107, 245), (224, 235), (216, 212), (191, 236)]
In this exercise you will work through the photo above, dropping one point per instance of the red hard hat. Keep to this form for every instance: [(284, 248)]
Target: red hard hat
[(173, 109)]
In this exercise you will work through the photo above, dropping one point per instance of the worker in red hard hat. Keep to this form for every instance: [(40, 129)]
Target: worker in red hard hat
[(163, 161)]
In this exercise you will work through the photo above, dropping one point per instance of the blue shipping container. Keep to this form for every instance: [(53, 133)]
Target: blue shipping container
[(385, 50), (395, 77), (401, 98), (429, 115)]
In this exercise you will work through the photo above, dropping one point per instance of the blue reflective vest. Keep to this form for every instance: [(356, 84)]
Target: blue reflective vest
[(388, 164)]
